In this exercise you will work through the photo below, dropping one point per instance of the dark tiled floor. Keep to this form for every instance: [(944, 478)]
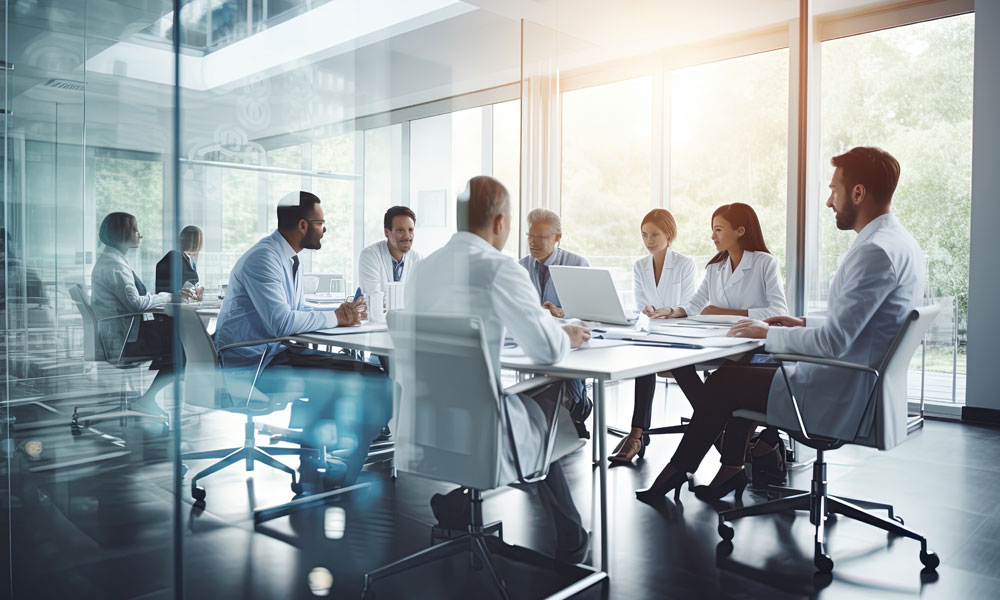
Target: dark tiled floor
[(103, 529)]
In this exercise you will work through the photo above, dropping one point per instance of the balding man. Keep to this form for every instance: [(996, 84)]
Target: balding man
[(544, 234), (470, 276)]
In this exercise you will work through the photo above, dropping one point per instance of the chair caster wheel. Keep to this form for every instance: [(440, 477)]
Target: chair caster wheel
[(824, 563), (198, 493), (297, 487), (723, 550), (726, 531), (898, 519), (930, 560)]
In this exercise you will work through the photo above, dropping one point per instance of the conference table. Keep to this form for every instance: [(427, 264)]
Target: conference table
[(604, 364)]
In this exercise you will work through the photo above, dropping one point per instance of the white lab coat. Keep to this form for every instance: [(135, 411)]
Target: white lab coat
[(677, 281), (755, 285), (879, 281), (468, 276), (375, 266)]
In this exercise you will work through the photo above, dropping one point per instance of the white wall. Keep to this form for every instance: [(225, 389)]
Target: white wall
[(983, 387)]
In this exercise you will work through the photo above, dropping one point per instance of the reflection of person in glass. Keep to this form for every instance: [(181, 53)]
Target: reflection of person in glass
[(878, 283), (191, 241), (15, 267), (116, 290), (349, 401)]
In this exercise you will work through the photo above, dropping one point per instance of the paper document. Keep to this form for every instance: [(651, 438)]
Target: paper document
[(364, 328), (726, 319), (691, 332), (601, 343), (712, 342)]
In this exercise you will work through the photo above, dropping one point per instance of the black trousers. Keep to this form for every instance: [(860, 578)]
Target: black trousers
[(730, 388), (349, 401), (645, 388)]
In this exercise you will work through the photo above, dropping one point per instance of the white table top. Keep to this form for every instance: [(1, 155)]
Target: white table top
[(610, 364)]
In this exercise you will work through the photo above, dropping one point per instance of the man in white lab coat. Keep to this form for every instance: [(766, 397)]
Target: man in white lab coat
[(471, 276), (879, 281), (390, 260)]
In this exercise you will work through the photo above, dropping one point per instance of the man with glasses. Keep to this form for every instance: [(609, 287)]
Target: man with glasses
[(349, 401), (544, 233)]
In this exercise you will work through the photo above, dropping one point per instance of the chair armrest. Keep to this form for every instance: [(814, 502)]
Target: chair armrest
[(124, 315), (822, 361), (254, 343), (530, 384)]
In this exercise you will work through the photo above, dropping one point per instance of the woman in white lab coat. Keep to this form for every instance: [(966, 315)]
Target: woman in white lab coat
[(661, 280), (742, 279)]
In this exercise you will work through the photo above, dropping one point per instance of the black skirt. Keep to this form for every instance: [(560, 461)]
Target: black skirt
[(155, 342)]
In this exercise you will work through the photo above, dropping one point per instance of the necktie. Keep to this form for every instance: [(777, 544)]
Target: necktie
[(543, 277), (397, 270), (138, 284), (295, 266)]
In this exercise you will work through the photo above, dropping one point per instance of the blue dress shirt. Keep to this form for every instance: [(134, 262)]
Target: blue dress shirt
[(546, 289), (264, 300)]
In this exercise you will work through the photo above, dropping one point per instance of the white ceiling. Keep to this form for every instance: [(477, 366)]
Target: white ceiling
[(52, 39)]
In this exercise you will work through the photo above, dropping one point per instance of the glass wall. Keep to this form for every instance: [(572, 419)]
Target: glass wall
[(875, 93)]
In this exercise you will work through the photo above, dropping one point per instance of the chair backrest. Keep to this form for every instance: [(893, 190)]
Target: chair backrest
[(205, 384), (890, 396), (449, 421), (93, 350)]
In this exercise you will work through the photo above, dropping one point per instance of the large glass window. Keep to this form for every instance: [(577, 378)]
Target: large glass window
[(336, 156), (383, 177), (876, 91), (606, 149), (136, 187), (445, 152), (507, 163), (729, 143)]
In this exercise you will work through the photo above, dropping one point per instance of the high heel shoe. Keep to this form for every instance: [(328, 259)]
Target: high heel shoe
[(627, 449), (661, 486), (737, 483)]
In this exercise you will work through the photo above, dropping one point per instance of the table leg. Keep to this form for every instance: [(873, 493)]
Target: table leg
[(600, 407)]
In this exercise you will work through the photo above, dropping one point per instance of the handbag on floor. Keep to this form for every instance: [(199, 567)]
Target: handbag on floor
[(768, 468)]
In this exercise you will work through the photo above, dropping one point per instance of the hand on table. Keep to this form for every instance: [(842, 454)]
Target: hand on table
[(577, 335), (351, 312), (662, 313), (749, 329), (786, 321), (554, 310)]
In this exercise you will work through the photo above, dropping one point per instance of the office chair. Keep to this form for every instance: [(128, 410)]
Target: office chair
[(888, 401), (95, 350), (453, 426)]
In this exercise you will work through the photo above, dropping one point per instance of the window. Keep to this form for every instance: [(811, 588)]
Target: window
[(334, 155), (445, 152), (135, 187), (606, 144), (876, 92), (729, 143), (383, 178), (507, 164)]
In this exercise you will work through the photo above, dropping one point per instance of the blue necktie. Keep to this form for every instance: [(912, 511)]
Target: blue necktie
[(543, 277), (397, 270)]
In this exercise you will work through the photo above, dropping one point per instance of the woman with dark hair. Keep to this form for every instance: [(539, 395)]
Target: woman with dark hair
[(660, 280), (742, 279), (191, 241), (117, 291)]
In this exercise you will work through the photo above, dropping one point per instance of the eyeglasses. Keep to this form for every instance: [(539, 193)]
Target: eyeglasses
[(538, 237), (318, 221)]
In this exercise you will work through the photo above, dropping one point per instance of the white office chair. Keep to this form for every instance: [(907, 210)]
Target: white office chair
[(888, 400), (453, 426), (96, 350)]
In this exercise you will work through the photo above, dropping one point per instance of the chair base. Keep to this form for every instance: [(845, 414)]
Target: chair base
[(482, 547), (820, 506)]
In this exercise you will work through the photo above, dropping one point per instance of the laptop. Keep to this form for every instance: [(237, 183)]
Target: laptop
[(589, 294)]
